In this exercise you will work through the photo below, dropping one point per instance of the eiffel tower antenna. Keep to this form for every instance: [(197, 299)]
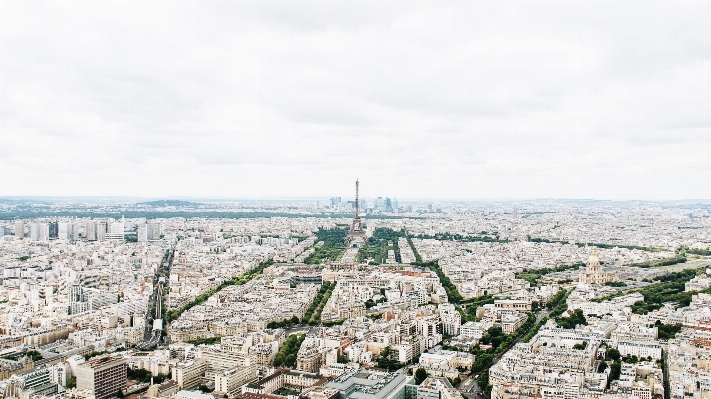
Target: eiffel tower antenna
[(357, 202)]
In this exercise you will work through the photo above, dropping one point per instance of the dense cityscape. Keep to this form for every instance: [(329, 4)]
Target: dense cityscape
[(355, 299), (355, 199)]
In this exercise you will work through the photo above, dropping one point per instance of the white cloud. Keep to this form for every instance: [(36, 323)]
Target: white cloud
[(472, 99)]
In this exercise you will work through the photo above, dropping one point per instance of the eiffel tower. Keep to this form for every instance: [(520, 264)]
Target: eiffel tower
[(356, 235)]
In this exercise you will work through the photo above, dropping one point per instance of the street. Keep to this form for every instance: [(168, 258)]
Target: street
[(470, 389), (303, 328)]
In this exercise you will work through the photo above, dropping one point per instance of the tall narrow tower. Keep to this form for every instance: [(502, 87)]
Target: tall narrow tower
[(357, 202), (356, 235)]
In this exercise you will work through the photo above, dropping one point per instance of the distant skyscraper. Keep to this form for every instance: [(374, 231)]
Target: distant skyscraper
[(379, 204), (394, 204), (101, 230), (514, 212), (35, 231), (335, 201), (91, 231), (142, 233), (153, 231), (117, 229), (53, 230), (64, 231), (19, 229), (44, 232)]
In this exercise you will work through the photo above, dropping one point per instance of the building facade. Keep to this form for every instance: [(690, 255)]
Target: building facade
[(105, 376)]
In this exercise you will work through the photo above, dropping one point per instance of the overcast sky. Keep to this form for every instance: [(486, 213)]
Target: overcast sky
[(419, 99)]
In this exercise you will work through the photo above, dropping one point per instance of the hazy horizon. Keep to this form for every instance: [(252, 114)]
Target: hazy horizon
[(218, 199)]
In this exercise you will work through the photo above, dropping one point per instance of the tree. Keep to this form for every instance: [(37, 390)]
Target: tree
[(667, 331), (602, 367), (33, 355), (483, 379), (581, 346), (204, 388), (294, 320), (278, 359), (613, 354), (615, 370), (420, 375), (570, 322), (384, 361), (287, 354), (482, 360)]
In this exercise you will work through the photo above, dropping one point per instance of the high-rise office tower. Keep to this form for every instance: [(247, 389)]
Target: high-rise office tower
[(63, 231), (117, 230), (379, 203), (53, 230), (19, 229), (153, 231), (91, 231), (44, 232), (75, 232), (101, 230), (35, 231)]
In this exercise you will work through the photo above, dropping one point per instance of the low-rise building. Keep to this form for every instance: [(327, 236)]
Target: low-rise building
[(371, 384)]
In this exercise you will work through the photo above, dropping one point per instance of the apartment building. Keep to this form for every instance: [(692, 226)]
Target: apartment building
[(105, 376), (188, 373)]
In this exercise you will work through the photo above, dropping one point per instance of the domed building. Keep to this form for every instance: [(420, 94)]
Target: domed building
[(593, 274)]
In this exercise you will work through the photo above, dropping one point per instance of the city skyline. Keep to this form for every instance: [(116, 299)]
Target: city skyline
[(130, 200)]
